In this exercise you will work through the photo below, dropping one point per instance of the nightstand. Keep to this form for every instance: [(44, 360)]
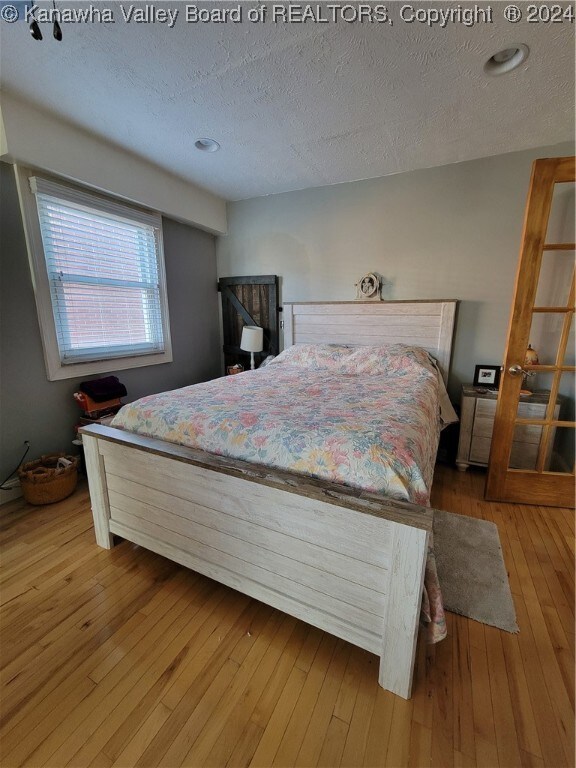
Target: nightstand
[(477, 422)]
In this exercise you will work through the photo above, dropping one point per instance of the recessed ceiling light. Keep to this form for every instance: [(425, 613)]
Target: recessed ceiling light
[(207, 145), (507, 59)]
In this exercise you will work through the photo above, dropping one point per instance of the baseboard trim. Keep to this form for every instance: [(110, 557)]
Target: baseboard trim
[(10, 495)]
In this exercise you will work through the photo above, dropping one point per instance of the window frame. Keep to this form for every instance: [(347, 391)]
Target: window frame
[(55, 368)]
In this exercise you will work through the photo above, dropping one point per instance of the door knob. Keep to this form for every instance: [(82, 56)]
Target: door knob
[(517, 370)]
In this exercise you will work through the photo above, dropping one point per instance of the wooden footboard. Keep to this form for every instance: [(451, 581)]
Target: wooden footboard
[(348, 562)]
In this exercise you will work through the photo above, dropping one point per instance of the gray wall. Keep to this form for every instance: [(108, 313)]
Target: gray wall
[(448, 233), (44, 412)]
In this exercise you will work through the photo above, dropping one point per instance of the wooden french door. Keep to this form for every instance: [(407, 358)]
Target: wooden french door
[(532, 453)]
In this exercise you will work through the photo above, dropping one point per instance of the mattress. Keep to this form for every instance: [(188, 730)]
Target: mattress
[(367, 417)]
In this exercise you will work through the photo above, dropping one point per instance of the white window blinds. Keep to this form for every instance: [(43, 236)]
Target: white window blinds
[(103, 266)]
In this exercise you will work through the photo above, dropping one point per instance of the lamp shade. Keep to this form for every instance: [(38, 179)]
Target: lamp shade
[(252, 338)]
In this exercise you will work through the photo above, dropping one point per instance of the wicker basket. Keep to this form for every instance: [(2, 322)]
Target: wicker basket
[(44, 482)]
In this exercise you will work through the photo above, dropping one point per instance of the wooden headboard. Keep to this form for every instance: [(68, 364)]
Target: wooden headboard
[(427, 324)]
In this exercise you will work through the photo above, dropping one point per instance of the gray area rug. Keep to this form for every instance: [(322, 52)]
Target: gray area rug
[(471, 570)]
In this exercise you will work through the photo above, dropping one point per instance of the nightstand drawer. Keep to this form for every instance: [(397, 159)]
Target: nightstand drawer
[(523, 455), (526, 433), (480, 449), (523, 433), (487, 409), (483, 426), (532, 410)]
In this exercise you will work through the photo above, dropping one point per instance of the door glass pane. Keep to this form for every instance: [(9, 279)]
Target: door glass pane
[(561, 221), (566, 396), (545, 335), (571, 348), (539, 384), (535, 396), (525, 444), (555, 278), (563, 448), (562, 452)]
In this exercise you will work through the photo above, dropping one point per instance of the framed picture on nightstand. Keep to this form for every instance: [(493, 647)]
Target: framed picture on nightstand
[(487, 376)]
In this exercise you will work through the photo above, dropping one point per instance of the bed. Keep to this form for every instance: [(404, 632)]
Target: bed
[(348, 558)]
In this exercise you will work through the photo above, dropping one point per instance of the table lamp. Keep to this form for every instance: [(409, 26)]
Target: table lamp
[(252, 341)]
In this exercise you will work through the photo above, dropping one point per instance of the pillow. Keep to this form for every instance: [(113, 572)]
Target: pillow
[(386, 359), (367, 361), (313, 356)]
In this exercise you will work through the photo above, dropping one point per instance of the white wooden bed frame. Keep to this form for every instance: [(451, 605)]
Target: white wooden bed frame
[(347, 561)]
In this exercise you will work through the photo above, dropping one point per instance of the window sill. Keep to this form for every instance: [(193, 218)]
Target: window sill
[(56, 371)]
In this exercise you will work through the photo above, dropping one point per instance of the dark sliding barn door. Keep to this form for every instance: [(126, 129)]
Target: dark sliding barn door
[(251, 300)]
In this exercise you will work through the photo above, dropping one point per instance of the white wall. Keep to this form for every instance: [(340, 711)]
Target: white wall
[(38, 139), (451, 232)]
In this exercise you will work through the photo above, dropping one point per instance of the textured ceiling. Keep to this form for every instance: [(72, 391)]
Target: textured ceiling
[(297, 105)]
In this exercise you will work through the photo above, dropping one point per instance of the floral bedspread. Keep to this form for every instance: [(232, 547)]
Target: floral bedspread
[(367, 417)]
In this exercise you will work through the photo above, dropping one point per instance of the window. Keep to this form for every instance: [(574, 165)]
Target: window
[(101, 272)]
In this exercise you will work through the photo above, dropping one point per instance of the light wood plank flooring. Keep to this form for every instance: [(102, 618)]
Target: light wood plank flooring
[(121, 658)]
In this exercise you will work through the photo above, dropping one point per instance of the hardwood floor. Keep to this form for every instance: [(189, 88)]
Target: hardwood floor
[(123, 658)]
